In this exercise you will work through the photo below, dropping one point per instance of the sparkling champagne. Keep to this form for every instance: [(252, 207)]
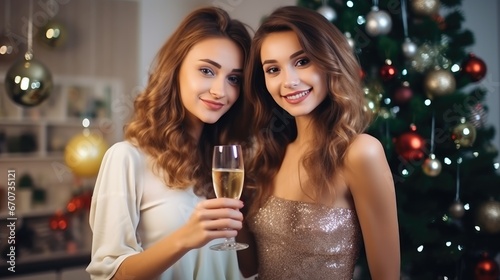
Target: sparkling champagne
[(228, 182)]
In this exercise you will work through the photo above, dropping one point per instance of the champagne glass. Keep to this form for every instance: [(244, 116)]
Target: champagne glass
[(227, 176)]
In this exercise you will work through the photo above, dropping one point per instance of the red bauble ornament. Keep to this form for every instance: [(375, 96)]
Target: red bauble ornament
[(474, 67), (59, 221), (403, 94), (362, 74), (75, 203), (410, 146), (388, 72), (440, 21), (486, 269)]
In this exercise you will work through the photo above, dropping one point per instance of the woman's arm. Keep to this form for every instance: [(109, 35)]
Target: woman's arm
[(204, 225), (115, 216), (371, 184)]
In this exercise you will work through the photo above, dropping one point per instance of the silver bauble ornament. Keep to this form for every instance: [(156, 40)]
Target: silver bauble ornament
[(439, 82), (432, 166), (488, 217), (28, 82), (425, 7), (409, 48), (53, 34), (328, 12), (456, 209), (378, 22)]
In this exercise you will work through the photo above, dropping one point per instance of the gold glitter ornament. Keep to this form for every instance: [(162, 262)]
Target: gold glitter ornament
[(428, 56), (373, 95), (439, 82), (425, 7), (464, 134)]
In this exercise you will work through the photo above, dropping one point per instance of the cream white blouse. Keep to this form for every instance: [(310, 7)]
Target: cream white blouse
[(132, 209)]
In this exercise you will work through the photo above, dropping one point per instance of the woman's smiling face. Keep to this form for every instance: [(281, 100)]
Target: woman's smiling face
[(210, 79), (294, 81)]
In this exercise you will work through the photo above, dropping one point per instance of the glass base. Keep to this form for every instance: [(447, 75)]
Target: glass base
[(229, 246)]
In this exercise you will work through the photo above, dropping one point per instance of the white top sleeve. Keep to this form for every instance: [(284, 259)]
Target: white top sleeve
[(115, 210)]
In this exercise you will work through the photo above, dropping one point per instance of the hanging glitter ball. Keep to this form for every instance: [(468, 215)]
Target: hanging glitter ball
[(428, 56)]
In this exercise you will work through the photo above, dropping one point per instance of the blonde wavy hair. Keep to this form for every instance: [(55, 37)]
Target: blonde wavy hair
[(336, 121), (159, 126)]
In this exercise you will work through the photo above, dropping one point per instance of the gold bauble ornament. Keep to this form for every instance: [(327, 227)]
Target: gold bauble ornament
[(371, 105), (464, 134), (84, 152), (457, 209), (425, 7), (28, 82), (488, 217), (432, 166), (439, 82), (373, 95)]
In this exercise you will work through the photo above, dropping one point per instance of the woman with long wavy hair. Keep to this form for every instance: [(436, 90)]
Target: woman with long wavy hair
[(323, 186), (153, 211)]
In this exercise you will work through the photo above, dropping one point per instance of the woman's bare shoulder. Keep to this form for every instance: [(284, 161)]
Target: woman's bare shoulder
[(364, 148)]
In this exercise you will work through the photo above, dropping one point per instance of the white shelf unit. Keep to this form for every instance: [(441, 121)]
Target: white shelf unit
[(56, 120)]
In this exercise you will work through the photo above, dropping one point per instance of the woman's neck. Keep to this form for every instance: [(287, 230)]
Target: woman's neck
[(305, 131), (194, 128)]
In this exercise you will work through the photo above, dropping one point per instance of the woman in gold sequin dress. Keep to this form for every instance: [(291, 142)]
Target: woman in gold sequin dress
[(324, 190)]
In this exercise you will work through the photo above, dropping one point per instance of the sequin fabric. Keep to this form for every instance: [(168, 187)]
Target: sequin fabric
[(300, 240)]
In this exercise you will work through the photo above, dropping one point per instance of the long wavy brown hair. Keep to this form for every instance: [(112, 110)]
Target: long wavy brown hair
[(336, 121), (159, 126)]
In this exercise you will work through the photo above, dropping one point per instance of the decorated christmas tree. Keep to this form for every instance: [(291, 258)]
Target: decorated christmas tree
[(422, 86)]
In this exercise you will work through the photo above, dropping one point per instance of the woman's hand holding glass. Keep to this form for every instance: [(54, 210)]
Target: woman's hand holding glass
[(228, 173), (212, 219)]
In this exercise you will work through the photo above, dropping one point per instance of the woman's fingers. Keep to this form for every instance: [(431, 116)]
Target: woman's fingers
[(214, 218), (217, 203), (223, 213), (222, 224)]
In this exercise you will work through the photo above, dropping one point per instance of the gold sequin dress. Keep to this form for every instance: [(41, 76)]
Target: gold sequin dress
[(300, 240)]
